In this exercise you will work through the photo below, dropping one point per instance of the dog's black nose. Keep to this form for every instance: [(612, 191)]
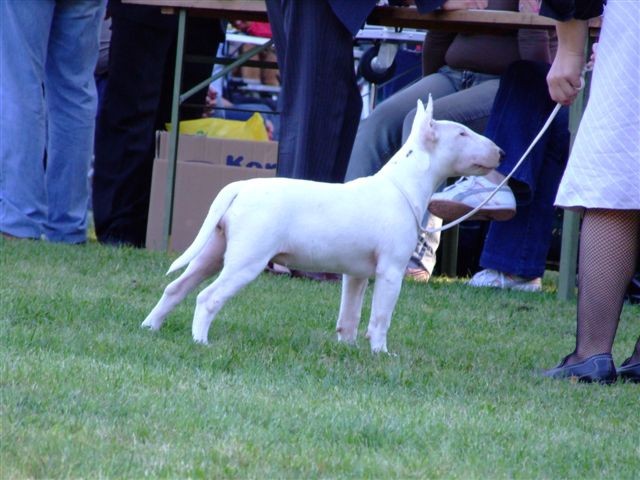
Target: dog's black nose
[(502, 154)]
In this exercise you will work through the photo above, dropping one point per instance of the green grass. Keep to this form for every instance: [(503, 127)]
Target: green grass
[(86, 393)]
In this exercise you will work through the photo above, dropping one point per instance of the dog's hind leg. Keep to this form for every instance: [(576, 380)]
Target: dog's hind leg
[(385, 295), (206, 264), (353, 289), (210, 300)]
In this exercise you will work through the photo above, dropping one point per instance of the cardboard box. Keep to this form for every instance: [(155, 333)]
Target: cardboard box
[(205, 165)]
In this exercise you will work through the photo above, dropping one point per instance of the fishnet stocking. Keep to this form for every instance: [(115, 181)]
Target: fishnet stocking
[(609, 245)]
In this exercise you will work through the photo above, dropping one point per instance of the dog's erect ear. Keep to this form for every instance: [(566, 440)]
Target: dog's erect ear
[(429, 110), (419, 118), (423, 124)]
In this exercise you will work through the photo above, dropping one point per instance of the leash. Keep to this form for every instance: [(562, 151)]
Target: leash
[(552, 115), (461, 219), (467, 215)]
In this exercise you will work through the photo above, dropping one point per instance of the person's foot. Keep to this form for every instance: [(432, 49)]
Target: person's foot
[(597, 368), (467, 193), (277, 269), (415, 271), (316, 276), (629, 370), (118, 241), (8, 236), (417, 274), (494, 279)]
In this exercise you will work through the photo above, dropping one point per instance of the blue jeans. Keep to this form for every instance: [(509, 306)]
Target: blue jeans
[(48, 52), (520, 245)]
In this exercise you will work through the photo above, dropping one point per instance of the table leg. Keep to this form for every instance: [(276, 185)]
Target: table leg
[(571, 220), (173, 135), (450, 252), (177, 100)]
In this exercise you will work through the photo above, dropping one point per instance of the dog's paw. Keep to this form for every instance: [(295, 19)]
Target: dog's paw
[(150, 325), (378, 345), (347, 337), (200, 341), (379, 349)]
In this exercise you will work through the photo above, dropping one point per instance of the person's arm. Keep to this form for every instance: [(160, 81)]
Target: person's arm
[(572, 29), (425, 6), (564, 10), (564, 76)]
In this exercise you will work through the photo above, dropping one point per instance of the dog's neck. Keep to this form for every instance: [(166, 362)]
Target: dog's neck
[(411, 171)]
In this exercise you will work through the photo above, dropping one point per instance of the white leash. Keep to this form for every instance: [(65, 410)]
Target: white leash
[(553, 114), (461, 219), (501, 184)]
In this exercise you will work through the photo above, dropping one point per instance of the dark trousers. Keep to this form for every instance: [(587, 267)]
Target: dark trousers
[(137, 102), (522, 106), (319, 101)]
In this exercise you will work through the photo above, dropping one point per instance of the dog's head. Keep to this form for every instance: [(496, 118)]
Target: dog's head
[(454, 150)]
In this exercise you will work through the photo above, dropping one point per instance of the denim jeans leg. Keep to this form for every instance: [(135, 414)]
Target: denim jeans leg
[(71, 98), (520, 245), (24, 28)]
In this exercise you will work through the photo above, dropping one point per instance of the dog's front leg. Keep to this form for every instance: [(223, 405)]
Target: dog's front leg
[(385, 295), (350, 308)]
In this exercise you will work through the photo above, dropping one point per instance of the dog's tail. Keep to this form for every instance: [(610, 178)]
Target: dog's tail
[(218, 208)]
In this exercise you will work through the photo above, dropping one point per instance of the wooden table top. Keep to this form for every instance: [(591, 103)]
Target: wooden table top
[(484, 21)]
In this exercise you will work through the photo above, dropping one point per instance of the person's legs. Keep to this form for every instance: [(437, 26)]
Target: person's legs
[(137, 103), (510, 126), (609, 245), (24, 37), (125, 130), (470, 106), (520, 246), (319, 98), (380, 135), (521, 108), (71, 99)]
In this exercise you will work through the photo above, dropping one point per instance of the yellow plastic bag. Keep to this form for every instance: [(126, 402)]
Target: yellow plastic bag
[(251, 129)]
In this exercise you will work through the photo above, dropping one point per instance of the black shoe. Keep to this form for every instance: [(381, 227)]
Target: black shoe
[(113, 241), (629, 372), (597, 368)]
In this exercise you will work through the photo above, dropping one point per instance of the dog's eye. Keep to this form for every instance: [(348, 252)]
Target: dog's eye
[(463, 133)]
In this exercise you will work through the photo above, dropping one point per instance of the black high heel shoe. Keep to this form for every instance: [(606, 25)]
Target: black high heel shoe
[(629, 372), (597, 368)]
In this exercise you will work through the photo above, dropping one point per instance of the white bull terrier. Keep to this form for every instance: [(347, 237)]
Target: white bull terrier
[(363, 228)]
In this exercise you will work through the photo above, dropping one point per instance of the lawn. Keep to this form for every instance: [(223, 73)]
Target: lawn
[(86, 393)]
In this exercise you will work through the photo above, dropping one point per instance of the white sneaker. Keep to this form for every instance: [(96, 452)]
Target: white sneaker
[(495, 279), (467, 193)]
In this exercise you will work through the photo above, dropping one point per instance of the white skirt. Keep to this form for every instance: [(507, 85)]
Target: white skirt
[(603, 170)]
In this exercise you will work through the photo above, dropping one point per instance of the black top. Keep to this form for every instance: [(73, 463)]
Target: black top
[(567, 9)]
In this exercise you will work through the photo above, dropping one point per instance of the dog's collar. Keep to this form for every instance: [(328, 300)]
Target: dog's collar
[(415, 209)]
